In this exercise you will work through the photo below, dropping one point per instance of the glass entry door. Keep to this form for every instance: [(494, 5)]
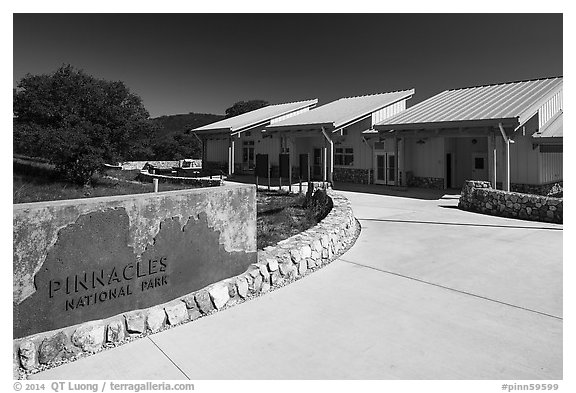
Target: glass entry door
[(317, 164), (385, 168)]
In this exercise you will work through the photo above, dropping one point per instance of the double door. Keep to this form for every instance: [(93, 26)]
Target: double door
[(385, 168)]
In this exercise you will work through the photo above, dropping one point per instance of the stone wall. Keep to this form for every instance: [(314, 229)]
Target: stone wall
[(132, 165), (200, 182), (79, 261), (554, 189), (426, 182), (275, 266), (353, 175), (480, 197)]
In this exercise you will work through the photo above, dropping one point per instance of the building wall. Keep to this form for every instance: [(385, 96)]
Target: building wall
[(217, 150), (524, 161), (551, 167), (217, 147), (352, 138), (305, 142), (425, 159), (464, 154)]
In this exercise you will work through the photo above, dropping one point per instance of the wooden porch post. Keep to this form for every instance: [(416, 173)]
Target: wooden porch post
[(506, 184), (494, 155), (325, 168), (229, 156), (396, 158), (232, 155)]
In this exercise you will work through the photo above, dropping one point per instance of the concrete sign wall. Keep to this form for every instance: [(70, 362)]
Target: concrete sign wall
[(81, 260)]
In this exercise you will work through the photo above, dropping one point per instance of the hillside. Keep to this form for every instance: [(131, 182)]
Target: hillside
[(172, 124), (171, 141)]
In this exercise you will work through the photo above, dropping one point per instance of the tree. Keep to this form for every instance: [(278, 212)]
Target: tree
[(77, 121), (245, 106)]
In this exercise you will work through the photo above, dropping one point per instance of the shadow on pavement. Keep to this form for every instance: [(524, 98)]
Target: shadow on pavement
[(459, 224), (404, 192)]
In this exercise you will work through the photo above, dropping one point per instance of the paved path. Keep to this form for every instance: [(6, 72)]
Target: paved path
[(427, 292)]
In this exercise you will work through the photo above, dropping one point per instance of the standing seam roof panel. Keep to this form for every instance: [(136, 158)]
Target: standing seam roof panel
[(425, 106), (451, 112), (475, 112), (526, 92), (257, 116), (506, 100), (535, 97), (344, 110)]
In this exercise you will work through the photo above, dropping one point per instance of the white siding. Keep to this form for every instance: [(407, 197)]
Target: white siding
[(427, 159), (270, 144), (388, 111), (523, 161), (362, 152), (550, 167), (217, 150), (550, 108), (288, 115)]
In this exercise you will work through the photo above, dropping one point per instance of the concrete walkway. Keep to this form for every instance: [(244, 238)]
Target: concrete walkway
[(427, 292)]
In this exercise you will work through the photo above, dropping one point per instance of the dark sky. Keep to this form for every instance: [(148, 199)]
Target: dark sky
[(180, 63)]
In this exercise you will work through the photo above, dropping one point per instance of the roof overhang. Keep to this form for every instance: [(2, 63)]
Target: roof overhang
[(506, 122), (335, 126), (300, 127), (204, 130), (238, 131), (548, 141), (211, 132)]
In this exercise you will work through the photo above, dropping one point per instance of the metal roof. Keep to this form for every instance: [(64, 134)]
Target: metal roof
[(553, 128), (343, 111), (514, 101), (256, 117)]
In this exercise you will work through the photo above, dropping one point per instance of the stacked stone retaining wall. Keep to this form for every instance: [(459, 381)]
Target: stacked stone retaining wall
[(479, 196), (436, 183), (554, 189), (353, 175), (197, 181), (131, 165)]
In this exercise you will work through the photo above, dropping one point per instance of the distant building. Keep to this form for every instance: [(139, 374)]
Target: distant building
[(332, 136), (507, 133), (233, 143)]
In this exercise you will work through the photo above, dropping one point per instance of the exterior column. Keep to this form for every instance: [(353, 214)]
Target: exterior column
[(229, 157), (232, 149), (494, 155), (331, 143), (325, 168), (396, 158), (506, 185), (204, 141), (331, 173), (507, 158)]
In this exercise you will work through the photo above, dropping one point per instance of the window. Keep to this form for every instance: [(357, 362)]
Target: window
[(479, 163), (248, 154), (344, 156)]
